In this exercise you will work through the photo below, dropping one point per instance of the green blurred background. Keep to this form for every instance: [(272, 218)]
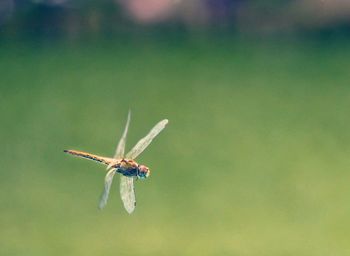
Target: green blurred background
[(254, 160)]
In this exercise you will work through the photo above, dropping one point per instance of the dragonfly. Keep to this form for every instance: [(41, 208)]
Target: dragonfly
[(125, 165)]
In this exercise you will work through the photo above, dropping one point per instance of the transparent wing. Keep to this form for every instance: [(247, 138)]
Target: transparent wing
[(127, 193), (108, 183), (119, 153), (144, 142)]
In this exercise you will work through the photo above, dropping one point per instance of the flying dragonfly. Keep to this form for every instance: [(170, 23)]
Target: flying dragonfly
[(125, 165)]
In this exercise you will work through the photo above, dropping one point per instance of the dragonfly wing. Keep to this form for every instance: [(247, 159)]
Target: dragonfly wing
[(127, 193), (108, 183), (144, 142), (119, 153)]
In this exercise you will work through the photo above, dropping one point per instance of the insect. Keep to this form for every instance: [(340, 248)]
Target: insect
[(125, 165)]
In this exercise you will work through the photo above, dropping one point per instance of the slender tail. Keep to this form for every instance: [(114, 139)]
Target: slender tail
[(100, 159)]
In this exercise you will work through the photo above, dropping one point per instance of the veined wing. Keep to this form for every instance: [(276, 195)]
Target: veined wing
[(127, 193), (100, 159), (108, 183), (119, 153), (144, 142)]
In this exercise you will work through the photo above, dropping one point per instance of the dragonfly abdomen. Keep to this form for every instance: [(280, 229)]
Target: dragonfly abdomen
[(100, 159)]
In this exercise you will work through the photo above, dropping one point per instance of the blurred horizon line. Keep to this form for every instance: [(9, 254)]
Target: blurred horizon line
[(73, 19)]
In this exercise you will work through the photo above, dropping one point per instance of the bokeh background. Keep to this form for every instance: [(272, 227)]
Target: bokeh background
[(255, 159)]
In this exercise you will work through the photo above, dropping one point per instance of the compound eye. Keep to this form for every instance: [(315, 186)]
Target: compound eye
[(144, 171)]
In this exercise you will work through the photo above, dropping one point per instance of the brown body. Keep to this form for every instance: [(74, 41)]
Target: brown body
[(122, 163), (127, 167), (100, 159)]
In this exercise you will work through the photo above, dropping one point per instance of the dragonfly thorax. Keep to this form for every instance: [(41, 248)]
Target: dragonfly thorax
[(130, 168)]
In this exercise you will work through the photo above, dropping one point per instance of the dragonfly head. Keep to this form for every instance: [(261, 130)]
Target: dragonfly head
[(143, 172)]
